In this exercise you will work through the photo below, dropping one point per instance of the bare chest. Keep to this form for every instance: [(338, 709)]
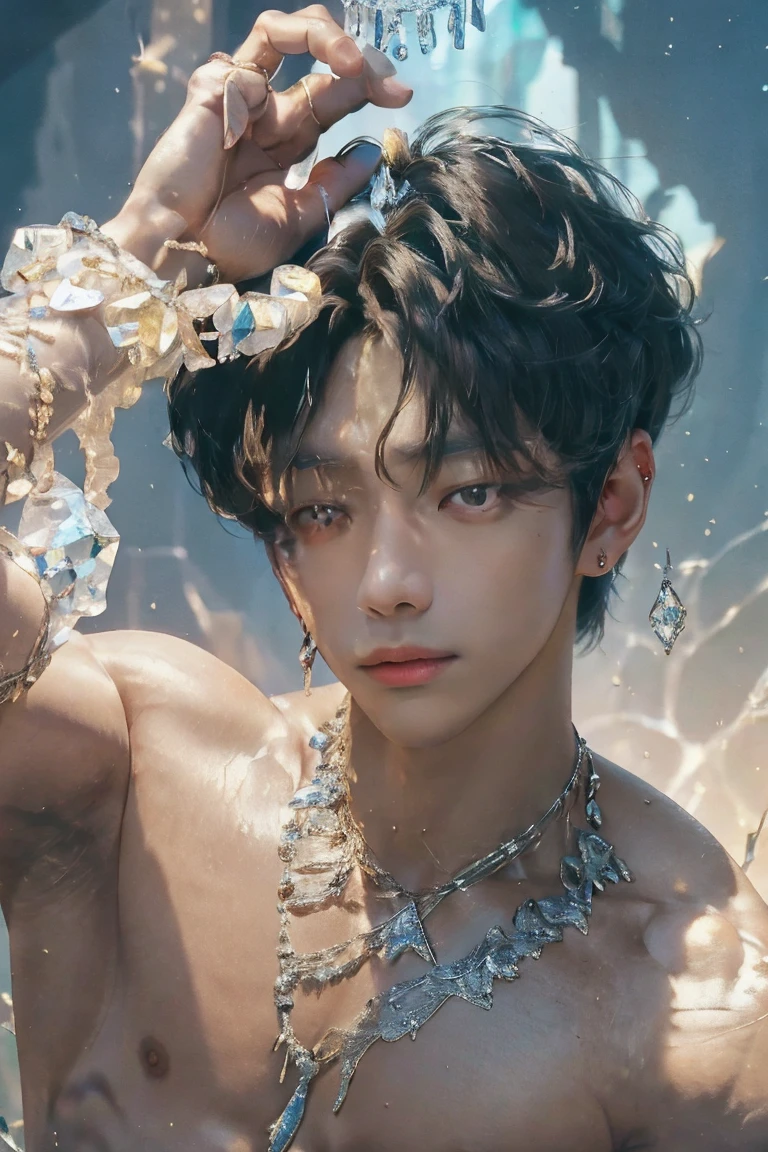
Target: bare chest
[(184, 1054)]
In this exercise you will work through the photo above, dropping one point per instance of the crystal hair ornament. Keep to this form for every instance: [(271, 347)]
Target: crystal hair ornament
[(667, 617), (321, 846), (387, 189), (74, 269), (381, 24)]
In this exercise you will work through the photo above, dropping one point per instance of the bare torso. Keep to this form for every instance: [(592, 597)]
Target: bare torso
[(143, 944)]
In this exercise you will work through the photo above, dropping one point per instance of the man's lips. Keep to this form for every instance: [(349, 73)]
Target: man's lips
[(406, 666)]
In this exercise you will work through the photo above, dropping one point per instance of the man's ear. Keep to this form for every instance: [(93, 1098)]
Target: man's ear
[(622, 507), (275, 559)]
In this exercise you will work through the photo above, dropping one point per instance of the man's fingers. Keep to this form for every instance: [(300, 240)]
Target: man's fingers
[(277, 34), (263, 224), (331, 184), (291, 125)]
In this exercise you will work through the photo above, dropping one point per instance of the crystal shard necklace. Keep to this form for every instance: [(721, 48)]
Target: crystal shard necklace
[(322, 844)]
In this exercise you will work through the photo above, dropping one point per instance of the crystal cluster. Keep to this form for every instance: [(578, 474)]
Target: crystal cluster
[(381, 24), (73, 546), (76, 268)]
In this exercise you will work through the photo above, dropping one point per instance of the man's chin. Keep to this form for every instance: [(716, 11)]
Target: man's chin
[(422, 717)]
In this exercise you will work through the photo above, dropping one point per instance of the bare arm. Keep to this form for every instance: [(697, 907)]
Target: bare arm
[(213, 179)]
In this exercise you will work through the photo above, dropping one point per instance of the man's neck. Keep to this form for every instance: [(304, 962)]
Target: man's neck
[(426, 812)]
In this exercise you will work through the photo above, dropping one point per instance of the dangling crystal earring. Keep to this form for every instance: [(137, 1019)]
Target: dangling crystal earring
[(602, 558), (307, 654), (667, 617)]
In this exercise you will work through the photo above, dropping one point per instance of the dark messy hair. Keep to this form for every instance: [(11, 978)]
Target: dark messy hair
[(527, 292)]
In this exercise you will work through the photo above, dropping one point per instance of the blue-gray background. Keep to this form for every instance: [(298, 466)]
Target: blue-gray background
[(672, 95)]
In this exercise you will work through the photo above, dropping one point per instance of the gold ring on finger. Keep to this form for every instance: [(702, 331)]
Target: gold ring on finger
[(246, 65), (305, 85)]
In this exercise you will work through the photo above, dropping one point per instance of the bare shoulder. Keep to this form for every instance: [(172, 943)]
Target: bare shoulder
[(681, 867), (703, 931), (152, 670)]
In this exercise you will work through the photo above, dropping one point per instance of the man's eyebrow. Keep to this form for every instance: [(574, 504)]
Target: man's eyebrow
[(456, 444)]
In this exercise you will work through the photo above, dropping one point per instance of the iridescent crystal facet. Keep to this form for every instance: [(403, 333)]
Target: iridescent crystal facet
[(73, 545), (667, 617), (260, 323)]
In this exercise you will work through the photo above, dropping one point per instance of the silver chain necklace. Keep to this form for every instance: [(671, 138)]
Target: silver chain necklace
[(322, 844)]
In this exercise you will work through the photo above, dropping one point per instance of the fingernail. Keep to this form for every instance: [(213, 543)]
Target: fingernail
[(380, 64), (395, 87), (365, 153), (349, 53)]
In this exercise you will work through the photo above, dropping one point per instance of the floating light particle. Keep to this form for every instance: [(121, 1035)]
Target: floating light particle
[(690, 497), (117, 90), (153, 605), (687, 433), (741, 651), (707, 531), (655, 543), (646, 755), (713, 521), (616, 681)]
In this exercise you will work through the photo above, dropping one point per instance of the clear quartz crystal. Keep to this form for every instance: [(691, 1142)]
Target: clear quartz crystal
[(74, 546), (317, 854), (31, 246), (667, 616)]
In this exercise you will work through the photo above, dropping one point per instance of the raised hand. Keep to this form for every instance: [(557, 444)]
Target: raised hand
[(217, 176)]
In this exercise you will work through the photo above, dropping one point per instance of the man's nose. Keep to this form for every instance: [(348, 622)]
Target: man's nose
[(397, 577)]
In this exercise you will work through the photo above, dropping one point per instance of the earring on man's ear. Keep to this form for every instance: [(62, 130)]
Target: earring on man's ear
[(667, 617), (307, 654)]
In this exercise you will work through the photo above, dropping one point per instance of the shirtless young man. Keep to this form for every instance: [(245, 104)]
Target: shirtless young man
[(143, 784)]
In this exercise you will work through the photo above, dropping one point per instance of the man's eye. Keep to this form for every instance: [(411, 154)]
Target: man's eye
[(316, 516), (475, 496)]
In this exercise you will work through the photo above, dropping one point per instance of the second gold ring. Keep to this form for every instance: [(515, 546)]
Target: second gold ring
[(305, 85)]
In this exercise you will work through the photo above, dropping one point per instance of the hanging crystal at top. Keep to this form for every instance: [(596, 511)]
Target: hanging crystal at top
[(381, 24)]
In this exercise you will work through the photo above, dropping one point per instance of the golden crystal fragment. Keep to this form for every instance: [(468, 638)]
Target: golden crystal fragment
[(158, 327), (34, 271), (195, 356), (288, 279), (125, 310)]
